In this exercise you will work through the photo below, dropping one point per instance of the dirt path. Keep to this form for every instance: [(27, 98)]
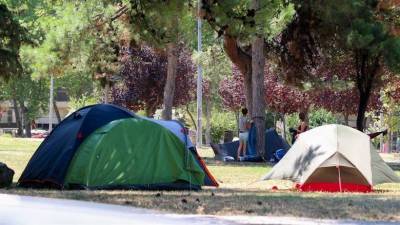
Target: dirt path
[(23, 210)]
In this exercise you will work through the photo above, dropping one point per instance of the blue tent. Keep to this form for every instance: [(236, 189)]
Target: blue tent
[(273, 142), (49, 164)]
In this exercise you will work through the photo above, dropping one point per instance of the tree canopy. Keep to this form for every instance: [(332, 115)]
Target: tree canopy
[(144, 74), (278, 96), (12, 35), (324, 33)]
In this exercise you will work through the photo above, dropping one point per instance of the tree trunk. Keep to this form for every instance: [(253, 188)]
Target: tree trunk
[(381, 141), (390, 137), (366, 71), (191, 117), (26, 119), (248, 91), (20, 130), (362, 108), (243, 61), (237, 116), (57, 111), (208, 120), (106, 91), (346, 119), (28, 129), (169, 89), (258, 63)]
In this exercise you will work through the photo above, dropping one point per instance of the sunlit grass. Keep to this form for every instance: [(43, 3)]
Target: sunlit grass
[(16, 152)]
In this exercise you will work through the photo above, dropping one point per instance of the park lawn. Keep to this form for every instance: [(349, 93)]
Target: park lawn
[(239, 193), (16, 152)]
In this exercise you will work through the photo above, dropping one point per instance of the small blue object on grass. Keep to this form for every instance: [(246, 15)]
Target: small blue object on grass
[(228, 158), (279, 154)]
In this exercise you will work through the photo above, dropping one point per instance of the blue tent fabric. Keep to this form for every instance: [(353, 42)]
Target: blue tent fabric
[(177, 128), (229, 149), (251, 142), (273, 142), (49, 164)]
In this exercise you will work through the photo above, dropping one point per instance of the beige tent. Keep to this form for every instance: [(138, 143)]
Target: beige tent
[(333, 158)]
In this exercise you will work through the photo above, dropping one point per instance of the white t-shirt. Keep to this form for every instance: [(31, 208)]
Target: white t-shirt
[(243, 120)]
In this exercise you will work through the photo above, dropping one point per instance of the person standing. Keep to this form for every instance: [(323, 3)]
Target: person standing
[(244, 126), (303, 127)]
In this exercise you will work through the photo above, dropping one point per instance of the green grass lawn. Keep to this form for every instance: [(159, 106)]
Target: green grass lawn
[(239, 193), (16, 152)]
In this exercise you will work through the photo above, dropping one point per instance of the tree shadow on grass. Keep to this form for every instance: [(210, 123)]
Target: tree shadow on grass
[(300, 165)]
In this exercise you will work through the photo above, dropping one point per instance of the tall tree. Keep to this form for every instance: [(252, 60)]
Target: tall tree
[(246, 26), (162, 24), (257, 78), (333, 101), (323, 32), (236, 22), (29, 98), (76, 37), (12, 35), (279, 97), (216, 65), (69, 38), (143, 76)]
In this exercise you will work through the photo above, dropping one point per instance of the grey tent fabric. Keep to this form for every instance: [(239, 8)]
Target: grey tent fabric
[(381, 172), (329, 146)]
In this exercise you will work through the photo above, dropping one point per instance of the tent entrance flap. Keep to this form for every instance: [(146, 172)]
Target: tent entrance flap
[(328, 179), (337, 159), (331, 175)]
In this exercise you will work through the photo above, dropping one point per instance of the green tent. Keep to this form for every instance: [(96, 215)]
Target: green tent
[(133, 153)]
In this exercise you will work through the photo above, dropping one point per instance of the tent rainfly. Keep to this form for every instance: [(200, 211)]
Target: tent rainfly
[(107, 147), (333, 158)]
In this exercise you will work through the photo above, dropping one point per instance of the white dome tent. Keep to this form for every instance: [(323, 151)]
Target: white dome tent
[(333, 158)]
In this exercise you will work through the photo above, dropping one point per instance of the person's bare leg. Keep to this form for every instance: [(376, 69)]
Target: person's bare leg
[(244, 148), (239, 149)]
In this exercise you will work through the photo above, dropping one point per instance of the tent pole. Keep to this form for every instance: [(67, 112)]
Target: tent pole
[(340, 178), (199, 135)]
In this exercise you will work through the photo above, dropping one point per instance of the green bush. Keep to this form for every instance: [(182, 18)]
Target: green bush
[(221, 122), (321, 117)]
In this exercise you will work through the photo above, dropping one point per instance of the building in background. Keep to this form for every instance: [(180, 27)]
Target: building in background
[(8, 117)]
